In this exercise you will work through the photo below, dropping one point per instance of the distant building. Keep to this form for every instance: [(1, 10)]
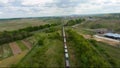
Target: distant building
[(112, 35)]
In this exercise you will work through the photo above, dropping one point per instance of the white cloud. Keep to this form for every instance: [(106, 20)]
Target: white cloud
[(56, 7), (36, 2), (4, 1), (97, 6), (1, 12)]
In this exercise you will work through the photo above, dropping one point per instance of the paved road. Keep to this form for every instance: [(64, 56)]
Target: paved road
[(67, 64)]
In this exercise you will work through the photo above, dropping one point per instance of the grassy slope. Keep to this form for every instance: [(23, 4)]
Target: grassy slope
[(82, 53), (102, 23), (112, 54), (50, 54)]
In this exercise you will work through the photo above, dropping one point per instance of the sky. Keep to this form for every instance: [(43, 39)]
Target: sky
[(40, 8)]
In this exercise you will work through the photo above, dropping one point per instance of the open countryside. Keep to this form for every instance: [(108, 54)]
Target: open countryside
[(59, 34)]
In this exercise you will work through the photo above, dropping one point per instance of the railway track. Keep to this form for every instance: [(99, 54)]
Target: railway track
[(67, 64)]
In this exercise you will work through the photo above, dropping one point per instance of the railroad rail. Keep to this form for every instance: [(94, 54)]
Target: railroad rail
[(67, 64)]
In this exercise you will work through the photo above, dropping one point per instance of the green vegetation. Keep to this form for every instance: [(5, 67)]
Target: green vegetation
[(47, 42), (73, 22), (21, 45), (84, 31), (47, 52), (110, 53), (9, 36), (1, 52), (5, 51), (110, 24), (19, 23), (84, 53)]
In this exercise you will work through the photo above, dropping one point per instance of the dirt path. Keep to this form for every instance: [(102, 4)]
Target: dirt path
[(107, 40), (112, 42), (15, 48), (27, 44)]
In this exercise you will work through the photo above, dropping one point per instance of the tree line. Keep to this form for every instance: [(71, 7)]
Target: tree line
[(73, 22), (10, 36)]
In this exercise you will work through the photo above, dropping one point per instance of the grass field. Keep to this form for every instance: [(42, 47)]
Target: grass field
[(17, 24), (6, 56), (50, 54), (21, 45), (12, 60), (14, 24), (7, 51), (48, 50), (111, 24), (84, 31), (110, 53)]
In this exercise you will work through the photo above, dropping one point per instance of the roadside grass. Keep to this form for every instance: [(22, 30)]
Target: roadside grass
[(7, 51), (21, 45)]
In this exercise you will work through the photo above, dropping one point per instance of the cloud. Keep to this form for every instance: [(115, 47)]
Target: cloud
[(35, 2), (6, 3), (1, 12), (15, 8)]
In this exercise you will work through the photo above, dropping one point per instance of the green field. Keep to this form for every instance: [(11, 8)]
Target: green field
[(21, 45), (110, 24), (14, 24), (48, 52), (7, 52), (112, 54)]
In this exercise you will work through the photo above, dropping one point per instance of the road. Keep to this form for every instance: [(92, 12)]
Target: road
[(67, 64)]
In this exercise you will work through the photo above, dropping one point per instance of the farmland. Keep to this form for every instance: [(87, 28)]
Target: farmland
[(47, 48), (43, 47), (14, 24), (12, 52), (112, 25)]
